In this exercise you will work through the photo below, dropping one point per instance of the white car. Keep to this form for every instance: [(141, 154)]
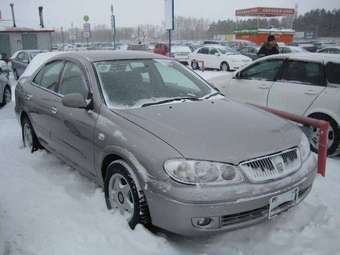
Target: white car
[(218, 57), (181, 53), (304, 84)]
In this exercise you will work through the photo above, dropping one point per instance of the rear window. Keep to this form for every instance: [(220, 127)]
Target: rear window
[(333, 73)]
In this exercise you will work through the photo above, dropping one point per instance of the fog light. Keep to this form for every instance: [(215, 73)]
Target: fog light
[(202, 222), (205, 222)]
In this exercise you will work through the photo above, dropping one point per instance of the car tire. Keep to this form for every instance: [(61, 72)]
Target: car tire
[(125, 196), (194, 65), (225, 67), (29, 138), (7, 96), (333, 136)]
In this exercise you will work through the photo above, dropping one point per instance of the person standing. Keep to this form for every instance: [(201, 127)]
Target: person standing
[(270, 47)]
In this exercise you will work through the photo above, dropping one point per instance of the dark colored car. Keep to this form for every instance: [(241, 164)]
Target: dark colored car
[(250, 52), (21, 61)]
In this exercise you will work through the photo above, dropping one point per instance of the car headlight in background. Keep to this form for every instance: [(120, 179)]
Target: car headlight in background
[(304, 147), (202, 172)]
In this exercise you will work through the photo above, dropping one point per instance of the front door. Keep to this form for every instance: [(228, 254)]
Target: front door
[(252, 85), (74, 132), (297, 88)]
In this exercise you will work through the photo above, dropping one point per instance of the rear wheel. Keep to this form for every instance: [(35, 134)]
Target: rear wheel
[(333, 136), (7, 96), (194, 65), (29, 138), (225, 67), (121, 194)]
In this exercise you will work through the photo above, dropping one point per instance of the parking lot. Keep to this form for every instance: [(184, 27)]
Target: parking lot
[(48, 208)]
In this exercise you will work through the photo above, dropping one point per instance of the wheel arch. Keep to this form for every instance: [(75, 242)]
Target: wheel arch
[(136, 170)]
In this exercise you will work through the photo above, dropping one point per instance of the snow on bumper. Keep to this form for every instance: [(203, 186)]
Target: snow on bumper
[(236, 207)]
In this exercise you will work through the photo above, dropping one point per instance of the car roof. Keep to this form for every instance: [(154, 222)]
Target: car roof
[(331, 47), (106, 55), (313, 57)]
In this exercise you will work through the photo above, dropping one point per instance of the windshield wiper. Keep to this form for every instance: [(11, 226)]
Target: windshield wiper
[(213, 94), (171, 100)]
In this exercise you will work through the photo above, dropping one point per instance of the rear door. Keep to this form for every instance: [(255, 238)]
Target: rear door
[(214, 60), (299, 85), (40, 100), (252, 84)]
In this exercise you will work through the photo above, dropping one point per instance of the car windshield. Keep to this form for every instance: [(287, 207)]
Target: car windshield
[(136, 83)]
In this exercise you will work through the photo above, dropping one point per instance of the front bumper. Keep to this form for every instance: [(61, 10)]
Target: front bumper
[(236, 211)]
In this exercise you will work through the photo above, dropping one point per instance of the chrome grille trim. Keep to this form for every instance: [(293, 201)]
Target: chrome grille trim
[(273, 166)]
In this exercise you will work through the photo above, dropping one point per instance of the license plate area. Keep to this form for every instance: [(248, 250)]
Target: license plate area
[(282, 202)]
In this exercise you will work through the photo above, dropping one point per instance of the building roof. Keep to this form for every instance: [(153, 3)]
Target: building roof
[(24, 29), (265, 12)]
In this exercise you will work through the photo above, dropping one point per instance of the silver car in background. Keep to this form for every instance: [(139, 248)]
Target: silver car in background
[(168, 149)]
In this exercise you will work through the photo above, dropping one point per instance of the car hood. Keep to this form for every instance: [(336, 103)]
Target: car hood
[(216, 130)]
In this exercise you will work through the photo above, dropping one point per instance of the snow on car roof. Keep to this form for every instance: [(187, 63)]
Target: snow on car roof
[(39, 60), (315, 57)]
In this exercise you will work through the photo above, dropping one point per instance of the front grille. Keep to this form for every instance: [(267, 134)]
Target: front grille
[(273, 166), (244, 216)]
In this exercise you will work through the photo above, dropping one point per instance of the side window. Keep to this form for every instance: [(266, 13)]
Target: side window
[(266, 70), (333, 73), (213, 51), (50, 77), (204, 51), (20, 56), (304, 72), (73, 81)]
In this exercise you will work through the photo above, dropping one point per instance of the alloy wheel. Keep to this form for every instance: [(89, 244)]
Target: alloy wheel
[(120, 195)]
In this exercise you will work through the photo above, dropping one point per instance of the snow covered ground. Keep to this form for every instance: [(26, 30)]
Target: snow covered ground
[(47, 208)]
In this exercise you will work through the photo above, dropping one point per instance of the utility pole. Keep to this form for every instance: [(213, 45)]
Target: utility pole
[(170, 19), (113, 25)]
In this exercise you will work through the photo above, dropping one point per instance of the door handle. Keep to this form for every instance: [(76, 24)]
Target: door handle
[(263, 87), (53, 110), (311, 93), (28, 97)]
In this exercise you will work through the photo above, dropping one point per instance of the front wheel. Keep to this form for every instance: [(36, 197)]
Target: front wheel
[(121, 194), (333, 137)]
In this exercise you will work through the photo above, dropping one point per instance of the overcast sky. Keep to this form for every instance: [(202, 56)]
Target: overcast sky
[(59, 13)]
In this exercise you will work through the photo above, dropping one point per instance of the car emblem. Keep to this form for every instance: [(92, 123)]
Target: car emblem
[(279, 164)]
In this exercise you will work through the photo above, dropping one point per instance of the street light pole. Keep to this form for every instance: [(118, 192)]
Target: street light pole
[(113, 25)]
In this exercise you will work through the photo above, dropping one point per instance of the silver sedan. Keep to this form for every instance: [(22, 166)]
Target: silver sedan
[(168, 148)]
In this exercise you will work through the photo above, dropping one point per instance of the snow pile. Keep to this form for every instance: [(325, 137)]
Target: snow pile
[(48, 208)]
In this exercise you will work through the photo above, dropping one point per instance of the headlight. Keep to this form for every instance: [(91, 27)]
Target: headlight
[(202, 172), (304, 147)]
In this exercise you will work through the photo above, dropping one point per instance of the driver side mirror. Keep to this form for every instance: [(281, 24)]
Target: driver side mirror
[(217, 54), (76, 100)]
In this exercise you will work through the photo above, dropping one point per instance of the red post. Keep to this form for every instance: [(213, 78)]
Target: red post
[(322, 125)]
